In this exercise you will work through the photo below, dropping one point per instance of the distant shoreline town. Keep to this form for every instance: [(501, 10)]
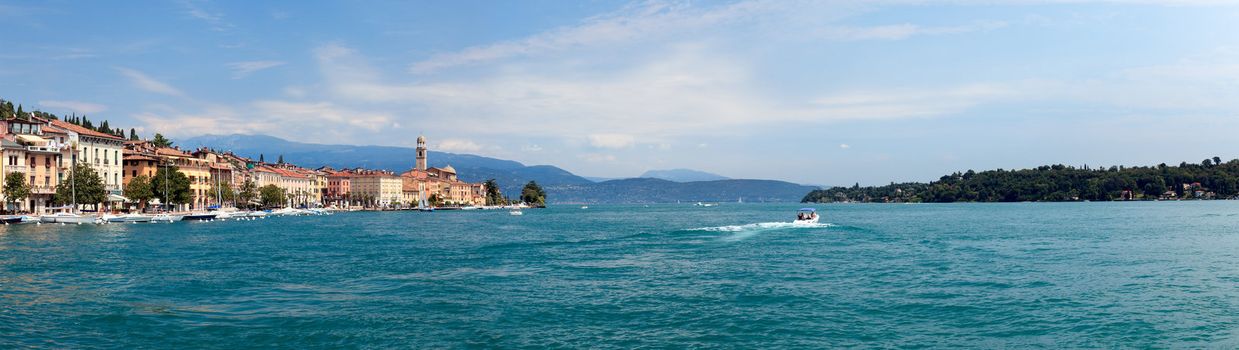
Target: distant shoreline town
[(52, 161)]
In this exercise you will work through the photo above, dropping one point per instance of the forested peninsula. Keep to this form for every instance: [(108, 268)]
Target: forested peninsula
[(1210, 179)]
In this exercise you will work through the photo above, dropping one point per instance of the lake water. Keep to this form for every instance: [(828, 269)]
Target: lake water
[(929, 275)]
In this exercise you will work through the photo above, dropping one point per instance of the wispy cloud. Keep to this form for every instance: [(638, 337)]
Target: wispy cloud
[(198, 10), (240, 70), (145, 82), (644, 20), (903, 31), (74, 106)]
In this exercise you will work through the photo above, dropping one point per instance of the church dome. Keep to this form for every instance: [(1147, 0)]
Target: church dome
[(421, 139), (449, 169)]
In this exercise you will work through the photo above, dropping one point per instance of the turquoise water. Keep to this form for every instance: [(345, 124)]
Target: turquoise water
[(930, 275)]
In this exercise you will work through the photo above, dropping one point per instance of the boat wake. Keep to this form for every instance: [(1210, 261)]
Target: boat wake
[(741, 232)]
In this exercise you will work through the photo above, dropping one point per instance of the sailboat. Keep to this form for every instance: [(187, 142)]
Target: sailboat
[(69, 215), (422, 203), (165, 216)]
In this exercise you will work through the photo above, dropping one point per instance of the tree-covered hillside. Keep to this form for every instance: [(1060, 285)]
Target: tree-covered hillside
[(1208, 180)]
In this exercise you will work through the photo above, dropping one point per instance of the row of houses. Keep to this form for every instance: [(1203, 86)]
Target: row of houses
[(43, 151)]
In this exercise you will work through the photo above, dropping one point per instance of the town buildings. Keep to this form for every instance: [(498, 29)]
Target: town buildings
[(440, 184), (100, 151), (43, 151)]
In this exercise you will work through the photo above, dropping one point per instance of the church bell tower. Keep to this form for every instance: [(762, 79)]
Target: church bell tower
[(421, 153)]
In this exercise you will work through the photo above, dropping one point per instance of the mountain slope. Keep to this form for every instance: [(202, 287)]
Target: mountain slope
[(683, 175)]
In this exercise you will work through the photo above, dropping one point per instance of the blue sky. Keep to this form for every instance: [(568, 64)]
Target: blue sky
[(831, 92)]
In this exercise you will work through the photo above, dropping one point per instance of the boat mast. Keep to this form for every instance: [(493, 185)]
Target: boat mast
[(73, 177), (165, 187)]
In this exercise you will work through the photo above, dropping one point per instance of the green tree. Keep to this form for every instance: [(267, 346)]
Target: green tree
[(133, 134), (533, 194), (261, 158), (139, 189), (83, 182), (16, 188), (160, 141), (281, 160), (171, 184), (248, 192), (435, 200), (271, 196), (493, 197)]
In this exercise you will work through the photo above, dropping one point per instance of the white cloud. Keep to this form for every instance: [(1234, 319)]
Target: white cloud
[(844, 146), (78, 107), (145, 82), (458, 145), (243, 69), (611, 140), (531, 148)]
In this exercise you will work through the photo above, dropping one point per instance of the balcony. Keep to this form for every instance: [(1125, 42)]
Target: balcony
[(42, 189), (17, 168)]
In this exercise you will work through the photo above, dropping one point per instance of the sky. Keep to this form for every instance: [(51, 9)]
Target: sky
[(815, 92)]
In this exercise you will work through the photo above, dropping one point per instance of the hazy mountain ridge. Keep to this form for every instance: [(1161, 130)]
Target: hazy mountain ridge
[(683, 175)]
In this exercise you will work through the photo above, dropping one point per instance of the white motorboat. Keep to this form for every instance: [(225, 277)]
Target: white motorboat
[(112, 218), (165, 217), (806, 216), (199, 216), (515, 212), (256, 214), (68, 218)]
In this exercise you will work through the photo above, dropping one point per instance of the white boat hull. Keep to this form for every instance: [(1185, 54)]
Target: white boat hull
[(809, 221), (166, 218), (68, 219)]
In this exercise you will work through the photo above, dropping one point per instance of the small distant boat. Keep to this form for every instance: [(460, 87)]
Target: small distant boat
[(584, 207), (806, 216), (11, 219), (515, 212), (165, 217)]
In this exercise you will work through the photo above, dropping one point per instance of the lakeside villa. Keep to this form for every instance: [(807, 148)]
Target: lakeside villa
[(44, 150)]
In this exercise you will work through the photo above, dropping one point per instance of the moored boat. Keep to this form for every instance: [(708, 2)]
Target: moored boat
[(11, 219), (68, 218)]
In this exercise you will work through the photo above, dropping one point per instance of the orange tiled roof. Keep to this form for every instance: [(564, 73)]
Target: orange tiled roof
[(83, 131), (134, 156), (168, 151)]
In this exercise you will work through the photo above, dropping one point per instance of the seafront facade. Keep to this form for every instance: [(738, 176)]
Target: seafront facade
[(42, 152)]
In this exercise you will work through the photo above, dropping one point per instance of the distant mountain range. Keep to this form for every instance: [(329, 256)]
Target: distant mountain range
[(683, 175), (562, 186)]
